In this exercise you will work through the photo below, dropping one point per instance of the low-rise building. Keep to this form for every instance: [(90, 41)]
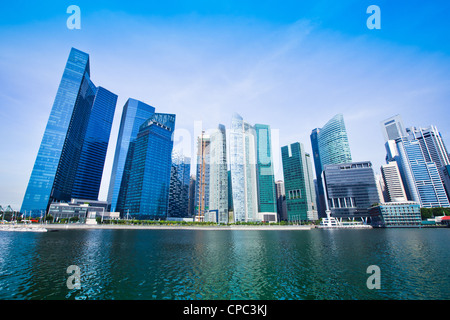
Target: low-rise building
[(81, 209), (396, 214)]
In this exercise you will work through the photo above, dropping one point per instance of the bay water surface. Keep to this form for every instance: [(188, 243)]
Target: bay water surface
[(226, 264)]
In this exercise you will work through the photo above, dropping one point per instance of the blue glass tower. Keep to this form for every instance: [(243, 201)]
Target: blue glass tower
[(423, 179), (330, 146), (59, 162), (90, 167), (146, 194), (134, 114)]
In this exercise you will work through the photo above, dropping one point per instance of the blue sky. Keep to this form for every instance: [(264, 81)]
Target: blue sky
[(290, 64)]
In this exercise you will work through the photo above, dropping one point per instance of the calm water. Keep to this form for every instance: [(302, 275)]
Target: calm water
[(208, 264)]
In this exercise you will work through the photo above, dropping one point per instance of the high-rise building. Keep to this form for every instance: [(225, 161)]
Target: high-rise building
[(243, 170), (191, 208), (445, 173), (149, 163), (393, 128), (281, 201), (395, 191), (202, 176), (72, 153), (420, 154), (93, 153), (298, 183), (218, 174), (350, 189), (265, 175), (134, 114), (330, 146), (431, 143), (423, 180), (179, 186)]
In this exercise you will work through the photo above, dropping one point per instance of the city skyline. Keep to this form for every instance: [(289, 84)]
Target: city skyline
[(290, 66)]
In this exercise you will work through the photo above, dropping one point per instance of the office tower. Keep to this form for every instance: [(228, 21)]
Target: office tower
[(179, 186), (381, 188), (445, 174), (230, 193), (218, 174), (265, 176), (431, 143), (423, 180), (192, 196), (393, 128), (420, 154), (320, 194), (395, 191), (243, 170), (134, 114), (72, 153), (298, 183), (350, 189), (202, 176), (281, 201), (330, 146), (93, 154), (149, 163)]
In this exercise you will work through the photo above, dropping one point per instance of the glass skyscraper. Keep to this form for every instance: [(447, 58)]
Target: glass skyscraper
[(330, 146), (218, 174), (350, 189), (149, 161), (420, 154), (71, 156), (93, 153), (265, 176), (243, 170), (298, 183), (423, 180), (134, 114), (179, 186)]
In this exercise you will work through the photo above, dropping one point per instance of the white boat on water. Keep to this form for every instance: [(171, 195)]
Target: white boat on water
[(332, 223)]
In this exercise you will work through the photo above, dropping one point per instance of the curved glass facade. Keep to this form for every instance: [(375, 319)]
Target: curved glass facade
[(333, 142), (330, 146)]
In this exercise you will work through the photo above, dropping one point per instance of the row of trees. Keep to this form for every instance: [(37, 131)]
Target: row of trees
[(428, 213)]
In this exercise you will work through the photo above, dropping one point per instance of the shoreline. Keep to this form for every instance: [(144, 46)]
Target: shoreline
[(50, 227)]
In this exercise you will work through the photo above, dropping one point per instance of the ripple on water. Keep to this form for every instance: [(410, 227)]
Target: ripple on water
[(188, 264)]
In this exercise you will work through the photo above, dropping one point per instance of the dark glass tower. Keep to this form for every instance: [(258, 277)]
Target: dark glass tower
[(180, 177), (90, 167), (134, 114), (350, 189), (61, 164), (148, 162)]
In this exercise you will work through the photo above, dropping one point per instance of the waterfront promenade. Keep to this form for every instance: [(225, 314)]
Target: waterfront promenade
[(80, 226)]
